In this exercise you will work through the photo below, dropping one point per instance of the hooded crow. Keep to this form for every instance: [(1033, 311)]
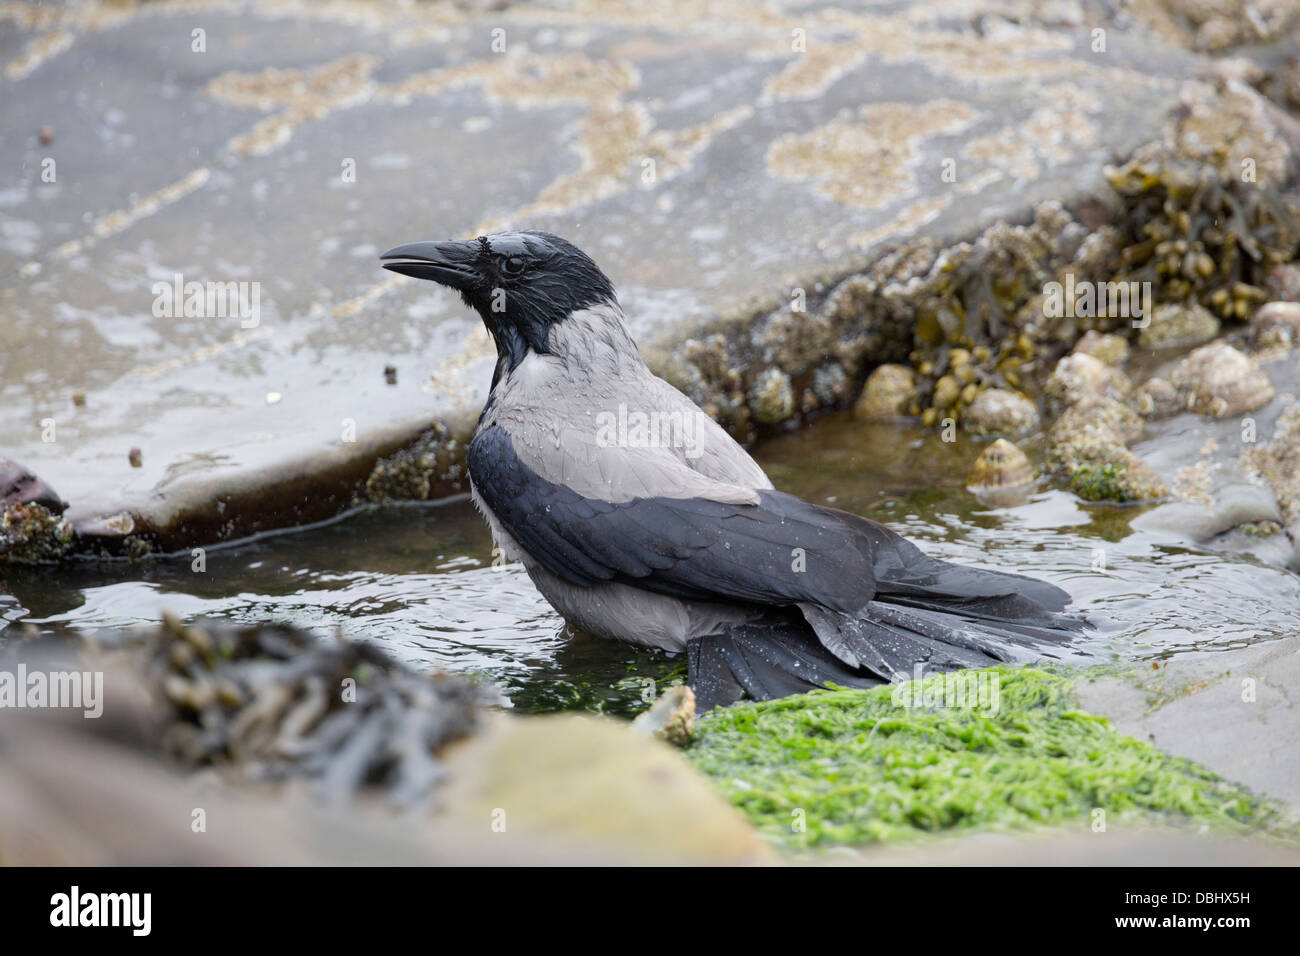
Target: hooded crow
[(641, 520)]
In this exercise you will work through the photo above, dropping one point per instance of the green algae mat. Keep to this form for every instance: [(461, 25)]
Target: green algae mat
[(996, 749)]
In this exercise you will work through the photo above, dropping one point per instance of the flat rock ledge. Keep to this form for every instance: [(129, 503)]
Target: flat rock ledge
[(785, 197)]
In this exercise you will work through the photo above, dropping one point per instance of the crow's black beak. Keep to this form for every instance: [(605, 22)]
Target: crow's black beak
[(451, 263)]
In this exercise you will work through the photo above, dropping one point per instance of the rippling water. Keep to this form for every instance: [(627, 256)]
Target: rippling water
[(419, 579)]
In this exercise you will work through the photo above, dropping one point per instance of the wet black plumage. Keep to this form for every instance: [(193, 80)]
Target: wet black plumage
[(874, 601)]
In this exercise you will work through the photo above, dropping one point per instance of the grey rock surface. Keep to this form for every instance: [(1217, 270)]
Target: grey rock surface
[(1224, 503), (1235, 712), (708, 156)]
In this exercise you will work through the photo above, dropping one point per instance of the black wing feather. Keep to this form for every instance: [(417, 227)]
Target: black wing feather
[(873, 600), (691, 548)]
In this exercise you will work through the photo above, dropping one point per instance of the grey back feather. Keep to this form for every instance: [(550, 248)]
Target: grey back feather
[(565, 413)]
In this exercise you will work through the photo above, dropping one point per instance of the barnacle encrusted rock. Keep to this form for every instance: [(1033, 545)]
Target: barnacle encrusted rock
[(1277, 462), (772, 398), (1078, 375), (1217, 380), (1276, 326), (671, 718), (889, 393), (31, 533), (1282, 282), (1217, 25), (1155, 399), (32, 528), (1101, 412), (432, 466), (998, 411), (1000, 465), (1199, 222), (1089, 450), (1105, 347), (1099, 468), (1177, 325)]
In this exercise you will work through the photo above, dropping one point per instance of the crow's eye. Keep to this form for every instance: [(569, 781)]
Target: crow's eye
[(513, 266)]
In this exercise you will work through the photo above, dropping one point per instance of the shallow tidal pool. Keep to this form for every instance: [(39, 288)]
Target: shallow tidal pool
[(418, 578)]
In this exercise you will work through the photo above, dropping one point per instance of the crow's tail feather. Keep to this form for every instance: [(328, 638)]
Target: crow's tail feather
[(764, 661), (886, 642)]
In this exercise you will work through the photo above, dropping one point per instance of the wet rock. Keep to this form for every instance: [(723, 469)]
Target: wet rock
[(1156, 398), (1217, 25), (1194, 705), (1079, 375), (1174, 326), (31, 533), (888, 395), (862, 306), (998, 411), (32, 528), (671, 718), (1282, 282), (772, 398), (1234, 506), (19, 486), (1001, 465), (433, 466), (1224, 158), (1105, 347), (1102, 413), (1218, 381), (1091, 456), (1277, 462), (587, 782), (1276, 326)]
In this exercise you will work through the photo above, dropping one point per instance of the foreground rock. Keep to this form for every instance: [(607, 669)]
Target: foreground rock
[(595, 786), (270, 720)]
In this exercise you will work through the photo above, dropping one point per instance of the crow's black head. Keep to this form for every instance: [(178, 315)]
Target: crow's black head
[(521, 283)]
